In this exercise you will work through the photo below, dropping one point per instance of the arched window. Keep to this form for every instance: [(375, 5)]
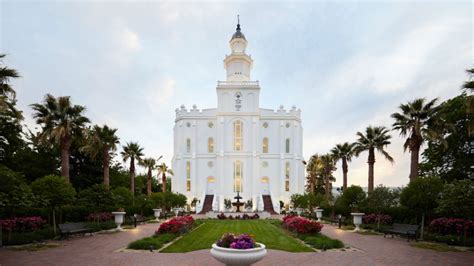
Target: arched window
[(238, 135), (188, 145), (287, 146), (188, 176), (287, 176), (210, 145), (265, 145), (237, 176), (264, 179)]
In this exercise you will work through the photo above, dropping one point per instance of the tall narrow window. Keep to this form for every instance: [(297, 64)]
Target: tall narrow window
[(188, 176), (238, 135), (210, 145), (287, 146), (287, 176), (188, 145), (265, 145), (237, 176)]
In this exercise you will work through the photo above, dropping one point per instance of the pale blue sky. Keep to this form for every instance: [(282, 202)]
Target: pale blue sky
[(347, 65)]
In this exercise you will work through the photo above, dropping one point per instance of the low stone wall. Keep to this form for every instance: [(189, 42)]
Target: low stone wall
[(213, 215)]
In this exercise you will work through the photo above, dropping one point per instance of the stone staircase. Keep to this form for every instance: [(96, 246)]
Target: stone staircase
[(207, 206), (267, 204)]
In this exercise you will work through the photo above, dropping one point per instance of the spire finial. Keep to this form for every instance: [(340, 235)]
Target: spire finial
[(238, 23)]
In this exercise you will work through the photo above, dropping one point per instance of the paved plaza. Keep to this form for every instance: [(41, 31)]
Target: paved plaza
[(105, 249)]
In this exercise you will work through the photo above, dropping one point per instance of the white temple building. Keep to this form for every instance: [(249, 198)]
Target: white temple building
[(238, 146)]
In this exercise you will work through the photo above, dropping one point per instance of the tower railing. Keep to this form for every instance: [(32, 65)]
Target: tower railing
[(238, 83)]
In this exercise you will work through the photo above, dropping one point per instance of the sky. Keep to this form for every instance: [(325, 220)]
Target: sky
[(346, 64)]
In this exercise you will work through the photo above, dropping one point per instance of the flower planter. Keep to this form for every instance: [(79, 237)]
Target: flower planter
[(357, 219), (119, 219), (319, 214), (157, 213), (231, 256)]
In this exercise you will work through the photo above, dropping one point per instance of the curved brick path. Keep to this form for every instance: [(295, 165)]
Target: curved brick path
[(102, 250)]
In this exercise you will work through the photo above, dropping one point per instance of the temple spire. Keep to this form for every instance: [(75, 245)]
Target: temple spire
[(238, 23)]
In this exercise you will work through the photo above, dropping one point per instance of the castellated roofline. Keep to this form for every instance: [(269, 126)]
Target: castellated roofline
[(183, 112)]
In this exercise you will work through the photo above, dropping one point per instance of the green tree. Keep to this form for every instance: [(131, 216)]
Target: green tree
[(344, 152), (452, 161), (314, 168), (375, 138), (422, 195), (457, 199), (7, 93), (132, 151), (351, 199), (14, 192), (97, 198), (102, 141), (417, 121), (60, 122), (328, 167), (123, 197), (150, 164), (164, 170), (380, 200), (53, 192)]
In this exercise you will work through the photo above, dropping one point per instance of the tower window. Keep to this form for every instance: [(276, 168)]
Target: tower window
[(238, 135), (265, 145), (210, 145), (237, 176), (188, 176), (188, 145), (287, 146), (287, 176)]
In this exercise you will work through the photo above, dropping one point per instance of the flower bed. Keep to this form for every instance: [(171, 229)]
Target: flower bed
[(373, 219), (180, 224), (301, 225), (451, 226), (245, 216), (23, 224), (243, 241), (100, 217)]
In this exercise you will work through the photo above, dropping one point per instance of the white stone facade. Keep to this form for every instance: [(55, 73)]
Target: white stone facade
[(238, 146)]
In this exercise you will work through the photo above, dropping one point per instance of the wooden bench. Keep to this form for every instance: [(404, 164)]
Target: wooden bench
[(137, 219), (408, 230), (74, 228)]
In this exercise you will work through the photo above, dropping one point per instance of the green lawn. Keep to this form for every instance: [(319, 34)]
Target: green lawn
[(264, 231)]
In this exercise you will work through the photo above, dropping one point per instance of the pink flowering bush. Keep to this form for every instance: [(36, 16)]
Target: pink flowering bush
[(372, 219), (301, 225), (22, 224), (175, 225), (243, 241), (100, 217), (451, 226)]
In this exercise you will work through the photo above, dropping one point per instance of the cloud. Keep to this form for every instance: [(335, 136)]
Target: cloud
[(160, 93), (129, 40)]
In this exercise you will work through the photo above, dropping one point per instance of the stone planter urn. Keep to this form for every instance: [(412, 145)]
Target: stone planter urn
[(319, 214), (299, 211), (357, 219), (119, 219), (231, 256), (157, 213)]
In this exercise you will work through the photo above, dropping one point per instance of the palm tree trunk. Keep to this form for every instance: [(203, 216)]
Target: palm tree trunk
[(106, 168), (65, 146), (344, 173), (371, 162), (163, 179), (311, 184), (148, 183), (415, 151), (132, 175), (326, 178)]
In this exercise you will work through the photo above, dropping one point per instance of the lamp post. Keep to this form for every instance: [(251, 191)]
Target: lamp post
[(339, 217)]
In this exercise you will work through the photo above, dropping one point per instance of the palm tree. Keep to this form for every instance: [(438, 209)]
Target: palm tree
[(150, 164), (60, 121), (163, 169), (328, 165), (7, 93), (417, 120), (132, 151), (343, 152), (102, 141), (313, 170), (375, 138)]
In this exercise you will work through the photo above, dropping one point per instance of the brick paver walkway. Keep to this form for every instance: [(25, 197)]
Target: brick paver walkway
[(103, 250)]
